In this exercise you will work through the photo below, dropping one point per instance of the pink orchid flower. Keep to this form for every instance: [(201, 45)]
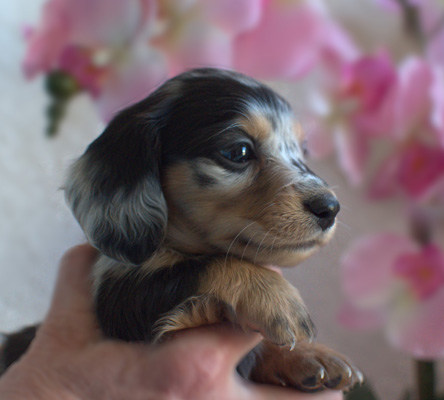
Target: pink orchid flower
[(370, 83), (200, 33), (415, 166), (415, 170), (413, 101), (90, 24), (262, 38), (120, 50), (115, 83), (395, 282), (289, 40), (102, 44), (403, 106), (359, 106)]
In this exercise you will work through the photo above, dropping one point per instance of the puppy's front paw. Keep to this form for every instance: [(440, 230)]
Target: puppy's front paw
[(254, 297), (274, 307), (284, 321), (309, 367)]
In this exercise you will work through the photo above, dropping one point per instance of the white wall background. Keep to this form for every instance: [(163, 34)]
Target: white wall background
[(36, 226)]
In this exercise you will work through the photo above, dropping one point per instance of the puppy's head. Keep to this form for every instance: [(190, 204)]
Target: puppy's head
[(210, 163)]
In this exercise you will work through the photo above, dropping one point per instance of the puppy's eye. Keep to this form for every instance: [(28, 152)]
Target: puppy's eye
[(241, 153)]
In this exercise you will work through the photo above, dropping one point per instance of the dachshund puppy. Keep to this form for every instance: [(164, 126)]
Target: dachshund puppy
[(189, 195)]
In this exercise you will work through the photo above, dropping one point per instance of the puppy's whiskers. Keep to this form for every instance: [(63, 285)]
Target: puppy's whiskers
[(272, 244), (236, 237), (348, 227), (246, 246), (260, 244), (266, 208)]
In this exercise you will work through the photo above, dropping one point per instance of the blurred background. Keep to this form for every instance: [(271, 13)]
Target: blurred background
[(329, 57)]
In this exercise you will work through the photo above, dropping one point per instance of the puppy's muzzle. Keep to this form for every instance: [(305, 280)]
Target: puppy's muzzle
[(324, 207)]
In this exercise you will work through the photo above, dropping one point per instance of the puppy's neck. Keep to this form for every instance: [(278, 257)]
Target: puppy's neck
[(167, 257), (183, 239), (163, 257)]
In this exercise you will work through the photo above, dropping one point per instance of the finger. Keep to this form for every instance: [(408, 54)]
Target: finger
[(268, 392), (230, 341), (72, 303)]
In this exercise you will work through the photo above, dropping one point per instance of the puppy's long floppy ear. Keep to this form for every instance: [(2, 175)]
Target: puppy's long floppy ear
[(114, 189)]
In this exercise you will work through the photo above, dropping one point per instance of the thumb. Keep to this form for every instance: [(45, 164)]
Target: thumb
[(234, 341), (228, 340), (71, 312)]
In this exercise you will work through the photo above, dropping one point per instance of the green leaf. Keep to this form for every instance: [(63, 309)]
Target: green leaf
[(364, 392), (61, 85)]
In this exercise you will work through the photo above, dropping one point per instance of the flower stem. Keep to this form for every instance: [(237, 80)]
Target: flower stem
[(61, 88), (425, 377), (412, 23), (421, 231), (420, 227)]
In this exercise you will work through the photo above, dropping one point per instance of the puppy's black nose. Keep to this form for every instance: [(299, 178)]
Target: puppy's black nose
[(325, 207)]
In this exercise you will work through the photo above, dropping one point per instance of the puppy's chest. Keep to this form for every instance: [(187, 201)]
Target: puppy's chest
[(130, 300)]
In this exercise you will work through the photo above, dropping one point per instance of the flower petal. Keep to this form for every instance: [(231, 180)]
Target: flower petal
[(421, 166), (107, 22), (46, 42), (77, 61), (384, 182), (419, 328), (234, 16), (367, 272), (371, 82), (358, 319), (338, 49), (201, 45), (423, 271), (131, 81), (368, 79), (352, 151), (413, 98), (285, 44)]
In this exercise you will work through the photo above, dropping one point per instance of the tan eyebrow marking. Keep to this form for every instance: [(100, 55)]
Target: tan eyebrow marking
[(257, 126)]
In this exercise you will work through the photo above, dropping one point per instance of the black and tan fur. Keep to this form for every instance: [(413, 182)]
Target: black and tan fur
[(189, 195)]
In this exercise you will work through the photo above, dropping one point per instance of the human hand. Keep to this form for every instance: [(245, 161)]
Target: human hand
[(70, 360)]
